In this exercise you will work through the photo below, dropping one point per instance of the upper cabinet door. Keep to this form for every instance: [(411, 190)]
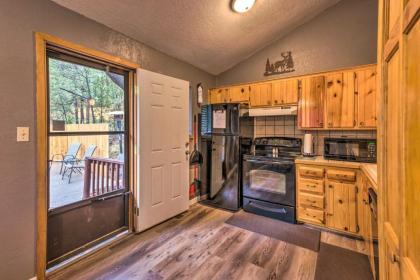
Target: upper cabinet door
[(340, 100), (311, 103), (239, 94), (366, 92), (212, 96), (285, 92), (219, 95), (260, 95)]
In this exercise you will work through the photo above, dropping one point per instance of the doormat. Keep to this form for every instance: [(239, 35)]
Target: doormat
[(338, 263)]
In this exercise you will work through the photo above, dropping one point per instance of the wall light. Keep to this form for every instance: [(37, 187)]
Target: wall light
[(242, 6)]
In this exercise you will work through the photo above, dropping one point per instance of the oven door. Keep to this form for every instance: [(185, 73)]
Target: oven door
[(271, 181)]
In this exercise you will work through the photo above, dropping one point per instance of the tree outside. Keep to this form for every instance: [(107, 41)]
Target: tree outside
[(83, 95)]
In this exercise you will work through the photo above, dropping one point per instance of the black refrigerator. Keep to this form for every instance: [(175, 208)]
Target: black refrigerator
[(230, 135)]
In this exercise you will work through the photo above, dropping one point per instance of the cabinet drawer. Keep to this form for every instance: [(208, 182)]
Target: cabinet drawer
[(341, 175), (314, 172), (311, 185), (311, 200), (311, 215)]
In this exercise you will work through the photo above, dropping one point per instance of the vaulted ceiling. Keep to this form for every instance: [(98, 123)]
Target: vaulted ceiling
[(204, 33)]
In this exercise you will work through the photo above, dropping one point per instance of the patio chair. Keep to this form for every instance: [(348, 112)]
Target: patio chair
[(71, 155), (78, 165)]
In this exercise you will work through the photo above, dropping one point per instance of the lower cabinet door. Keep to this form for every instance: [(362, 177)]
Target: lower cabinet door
[(341, 205)]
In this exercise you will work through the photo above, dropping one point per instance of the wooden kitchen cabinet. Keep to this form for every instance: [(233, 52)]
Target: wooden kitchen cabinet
[(260, 95), (219, 95), (311, 102), (341, 175), (366, 94), (310, 195), (341, 206), (239, 94), (285, 92), (332, 192), (311, 172), (311, 185), (340, 100), (313, 216)]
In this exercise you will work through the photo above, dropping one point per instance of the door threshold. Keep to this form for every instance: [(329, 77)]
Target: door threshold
[(57, 268)]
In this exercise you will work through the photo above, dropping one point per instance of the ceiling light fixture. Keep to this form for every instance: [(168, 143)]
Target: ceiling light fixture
[(242, 6)]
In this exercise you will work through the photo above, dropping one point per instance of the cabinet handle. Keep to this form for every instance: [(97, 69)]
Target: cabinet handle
[(242, 90), (330, 186), (362, 124), (330, 83), (346, 229), (394, 258), (275, 101), (340, 201)]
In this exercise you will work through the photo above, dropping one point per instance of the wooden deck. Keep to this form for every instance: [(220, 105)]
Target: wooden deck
[(62, 192), (199, 245), (98, 177)]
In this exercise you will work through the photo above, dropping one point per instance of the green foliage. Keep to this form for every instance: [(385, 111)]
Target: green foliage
[(73, 86)]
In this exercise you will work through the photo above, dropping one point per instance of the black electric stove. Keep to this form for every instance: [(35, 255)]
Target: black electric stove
[(269, 179)]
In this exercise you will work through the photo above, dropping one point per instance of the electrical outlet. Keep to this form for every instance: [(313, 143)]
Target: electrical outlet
[(22, 134)]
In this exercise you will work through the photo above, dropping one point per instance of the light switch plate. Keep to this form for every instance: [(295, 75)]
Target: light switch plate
[(22, 134)]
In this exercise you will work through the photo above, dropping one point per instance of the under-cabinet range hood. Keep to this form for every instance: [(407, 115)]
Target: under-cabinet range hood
[(276, 111)]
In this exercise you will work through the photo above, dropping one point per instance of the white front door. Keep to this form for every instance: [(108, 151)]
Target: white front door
[(163, 142)]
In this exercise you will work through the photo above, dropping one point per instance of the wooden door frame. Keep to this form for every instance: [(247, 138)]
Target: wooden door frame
[(41, 42)]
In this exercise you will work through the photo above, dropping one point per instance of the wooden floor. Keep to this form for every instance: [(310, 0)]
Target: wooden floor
[(199, 245)]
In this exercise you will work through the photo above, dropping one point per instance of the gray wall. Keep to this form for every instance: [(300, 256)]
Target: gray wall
[(343, 35), (19, 19)]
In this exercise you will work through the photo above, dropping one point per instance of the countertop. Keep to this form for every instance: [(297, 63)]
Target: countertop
[(370, 170)]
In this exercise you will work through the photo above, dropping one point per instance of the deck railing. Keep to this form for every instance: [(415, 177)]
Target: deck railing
[(102, 175)]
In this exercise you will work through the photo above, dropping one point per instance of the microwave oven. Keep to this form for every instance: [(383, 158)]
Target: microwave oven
[(350, 149)]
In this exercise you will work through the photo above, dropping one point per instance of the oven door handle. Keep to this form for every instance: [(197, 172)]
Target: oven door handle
[(281, 210), (270, 162)]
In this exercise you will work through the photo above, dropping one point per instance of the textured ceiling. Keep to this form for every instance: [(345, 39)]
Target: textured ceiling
[(204, 33)]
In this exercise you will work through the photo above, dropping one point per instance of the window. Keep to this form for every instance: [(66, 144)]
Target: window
[(87, 134)]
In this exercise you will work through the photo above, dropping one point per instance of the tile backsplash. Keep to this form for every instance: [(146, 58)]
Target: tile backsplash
[(286, 126)]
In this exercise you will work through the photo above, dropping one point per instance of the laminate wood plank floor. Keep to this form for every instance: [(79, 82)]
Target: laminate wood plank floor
[(197, 245)]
